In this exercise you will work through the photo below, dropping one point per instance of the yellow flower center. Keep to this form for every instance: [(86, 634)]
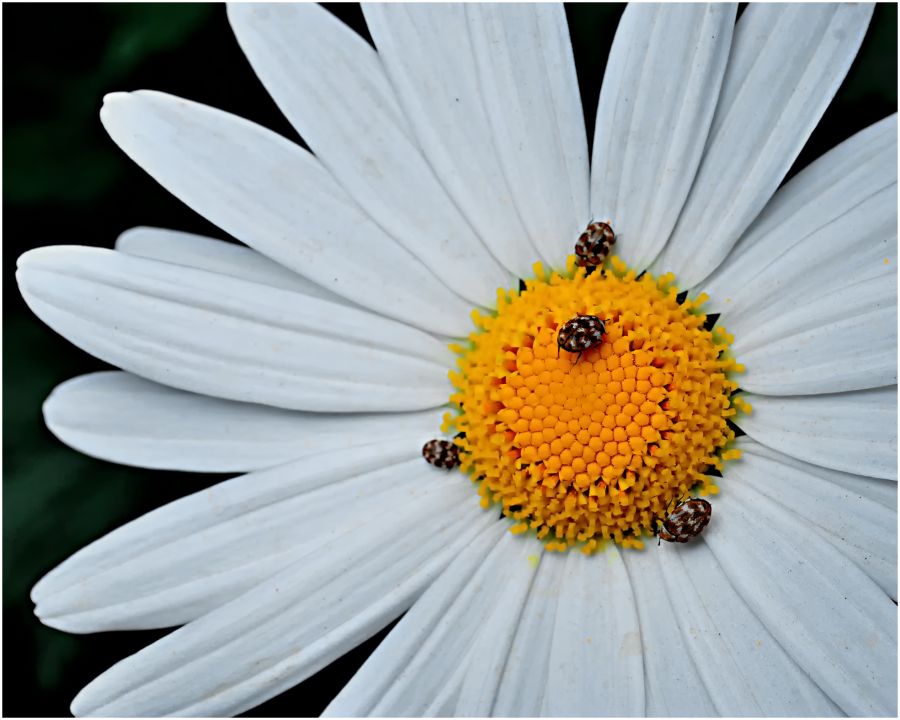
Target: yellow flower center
[(583, 449)]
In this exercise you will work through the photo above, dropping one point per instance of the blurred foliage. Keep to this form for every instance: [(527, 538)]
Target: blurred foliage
[(71, 170), (65, 182)]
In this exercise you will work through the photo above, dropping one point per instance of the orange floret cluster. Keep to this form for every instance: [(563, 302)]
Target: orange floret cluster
[(583, 450)]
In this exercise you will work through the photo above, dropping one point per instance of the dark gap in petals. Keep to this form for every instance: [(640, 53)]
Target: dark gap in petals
[(711, 321), (735, 429), (714, 472), (681, 297), (522, 287), (592, 27), (641, 274), (352, 16)]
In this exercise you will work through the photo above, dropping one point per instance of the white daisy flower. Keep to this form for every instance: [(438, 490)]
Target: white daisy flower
[(450, 163)]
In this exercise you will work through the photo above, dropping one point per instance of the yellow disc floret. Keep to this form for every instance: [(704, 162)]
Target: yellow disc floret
[(582, 449)]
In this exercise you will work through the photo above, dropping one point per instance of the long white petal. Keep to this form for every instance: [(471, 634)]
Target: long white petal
[(284, 630), (659, 92), (384, 666), (595, 666), (231, 338), (861, 529), (745, 670), (833, 224), (120, 417), (217, 256), (846, 340), (879, 490), (786, 63), (429, 58), (825, 612), (277, 198), (674, 688), (332, 87), (200, 570), (854, 432), (224, 503), (530, 92), (467, 635), (484, 671), (524, 682)]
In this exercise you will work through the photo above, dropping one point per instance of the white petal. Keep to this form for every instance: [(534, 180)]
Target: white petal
[(277, 198), (471, 633), (833, 224), (221, 503), (231, 338), (595, 666), (217, 256), (331, 86), (284, 630), (741, 663), (673, 685), (524, 682), (530, 92), (120, 417), (883, 492), (861, 529), (826, 613), (846, 340), (229, 549), (786, 63), (430, 61), (659, 92), (393, 655), (488, 656), (854, 432)]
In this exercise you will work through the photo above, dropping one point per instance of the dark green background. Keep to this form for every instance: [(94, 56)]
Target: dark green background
[(64, 181)]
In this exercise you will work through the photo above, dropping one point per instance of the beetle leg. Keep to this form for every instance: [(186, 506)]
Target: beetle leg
[(656, 526)]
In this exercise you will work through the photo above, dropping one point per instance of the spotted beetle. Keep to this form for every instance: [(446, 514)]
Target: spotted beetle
[(441, 453), (686, 521), (580, 334), (594, 244)]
